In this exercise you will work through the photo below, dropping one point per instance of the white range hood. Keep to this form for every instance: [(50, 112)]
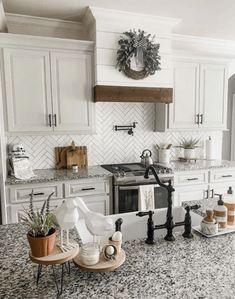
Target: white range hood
[(105, 28)]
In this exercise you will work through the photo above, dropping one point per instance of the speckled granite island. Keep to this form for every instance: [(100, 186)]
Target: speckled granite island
[(197, 268)]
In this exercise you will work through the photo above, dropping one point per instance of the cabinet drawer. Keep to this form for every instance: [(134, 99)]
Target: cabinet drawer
[(86, 187), (189, 193), (18, 194), (192, 178), (222, 175)]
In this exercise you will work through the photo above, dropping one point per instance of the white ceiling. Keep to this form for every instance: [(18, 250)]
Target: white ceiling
[(210, 18)]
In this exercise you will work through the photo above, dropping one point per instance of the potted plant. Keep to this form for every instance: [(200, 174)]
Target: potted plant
[(40, 225), (189, 147)]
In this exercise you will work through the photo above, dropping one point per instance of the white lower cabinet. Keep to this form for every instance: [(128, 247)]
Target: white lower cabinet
[(94, 192), (16, 211), (188, 193), (221, 188), (98, 203), (197, 185)]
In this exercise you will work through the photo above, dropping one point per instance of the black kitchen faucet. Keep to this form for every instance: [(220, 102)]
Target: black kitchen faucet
[(169, 224)]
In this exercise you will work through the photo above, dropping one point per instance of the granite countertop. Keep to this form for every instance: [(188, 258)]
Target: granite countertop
[(178, 166), (48, 175), (185, 268)]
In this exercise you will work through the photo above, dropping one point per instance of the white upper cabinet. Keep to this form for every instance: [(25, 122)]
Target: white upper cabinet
[(49, 90), (71, 91), (213, 102), (199, 98), (182, 113), (28, 92)]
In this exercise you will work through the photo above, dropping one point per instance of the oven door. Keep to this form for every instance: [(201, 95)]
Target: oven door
[(126, 198)]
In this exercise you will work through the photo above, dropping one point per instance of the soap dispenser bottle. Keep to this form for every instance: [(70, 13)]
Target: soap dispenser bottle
[(229, 202), (220, 213)]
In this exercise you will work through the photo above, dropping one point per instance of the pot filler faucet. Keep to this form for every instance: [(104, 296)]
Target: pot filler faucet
[(169, 224)]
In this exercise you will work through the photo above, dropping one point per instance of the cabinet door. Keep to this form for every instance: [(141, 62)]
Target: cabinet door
[(183, 110), (98, 203), (213, 101), (72, 91), (28, 94), (189, 193)]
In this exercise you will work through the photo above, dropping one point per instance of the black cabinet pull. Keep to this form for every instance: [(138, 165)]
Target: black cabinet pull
[(193, 179), (201, 119), (207, 194), (50, 124), (227, 176), (197, 118), (212, 193), (55, 120), (88, 189), (37, 194)]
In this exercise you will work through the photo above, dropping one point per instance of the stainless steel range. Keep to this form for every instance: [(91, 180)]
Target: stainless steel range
[(128, 178)]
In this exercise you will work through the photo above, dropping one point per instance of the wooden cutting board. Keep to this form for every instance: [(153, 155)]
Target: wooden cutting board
[(68, 155), (77, 156)]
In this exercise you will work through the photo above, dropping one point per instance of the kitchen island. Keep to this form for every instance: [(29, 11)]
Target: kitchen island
[(194, 268)]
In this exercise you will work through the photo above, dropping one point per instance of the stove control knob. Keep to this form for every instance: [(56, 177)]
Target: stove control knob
[(117, 174)]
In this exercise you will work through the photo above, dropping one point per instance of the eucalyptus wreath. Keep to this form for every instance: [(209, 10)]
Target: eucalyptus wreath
[(129, 45)]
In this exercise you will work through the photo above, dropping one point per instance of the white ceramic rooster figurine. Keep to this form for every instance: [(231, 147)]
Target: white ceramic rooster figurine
[(67, 216), (96, 223)]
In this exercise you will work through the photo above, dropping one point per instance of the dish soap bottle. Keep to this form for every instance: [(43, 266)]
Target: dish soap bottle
[(220, 213), (229, 202)]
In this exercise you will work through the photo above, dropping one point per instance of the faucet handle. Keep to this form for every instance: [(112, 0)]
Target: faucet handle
[(195, 207), (141, 214)]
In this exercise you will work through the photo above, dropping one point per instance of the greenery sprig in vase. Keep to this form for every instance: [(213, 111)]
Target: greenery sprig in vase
[(40, 226)]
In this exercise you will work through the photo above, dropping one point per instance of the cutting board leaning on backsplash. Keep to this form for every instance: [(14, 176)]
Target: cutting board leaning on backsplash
[(71, 155)]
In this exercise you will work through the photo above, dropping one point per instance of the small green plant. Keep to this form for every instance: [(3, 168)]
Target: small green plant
[(38, 222), (189, 144)]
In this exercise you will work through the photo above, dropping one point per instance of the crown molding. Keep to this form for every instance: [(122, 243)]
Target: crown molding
[(110, 20), (48, 43), (111, 14), (203, 45)]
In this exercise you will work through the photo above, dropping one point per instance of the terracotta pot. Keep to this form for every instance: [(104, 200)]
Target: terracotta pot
[(42, 246)]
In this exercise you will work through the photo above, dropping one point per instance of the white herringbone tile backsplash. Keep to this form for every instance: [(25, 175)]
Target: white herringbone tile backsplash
[(108, 146)]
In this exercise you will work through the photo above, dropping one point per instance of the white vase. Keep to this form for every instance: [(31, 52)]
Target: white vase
[(189, 153)]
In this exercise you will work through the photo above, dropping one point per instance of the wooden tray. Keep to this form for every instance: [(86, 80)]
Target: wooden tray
[(229, 229), (103, 265), (56, 257)]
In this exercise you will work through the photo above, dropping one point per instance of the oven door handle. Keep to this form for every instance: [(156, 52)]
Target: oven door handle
[(134, 187)]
